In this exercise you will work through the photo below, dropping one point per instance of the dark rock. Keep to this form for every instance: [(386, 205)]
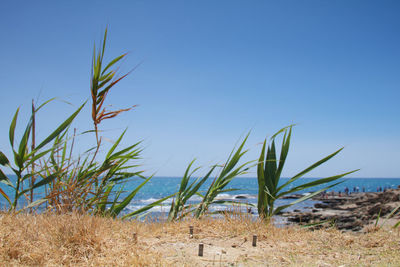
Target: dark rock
[(389, 196), (293, 196), (301, 218), (321, 206), (348, 219), (350, 212), (379, 209)]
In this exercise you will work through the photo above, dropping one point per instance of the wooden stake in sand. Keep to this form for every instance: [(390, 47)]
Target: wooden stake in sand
[(134, 237), (254, 240), (201, 248), (191, 231)]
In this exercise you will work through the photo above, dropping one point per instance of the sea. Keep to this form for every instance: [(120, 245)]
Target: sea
[(246, 190)]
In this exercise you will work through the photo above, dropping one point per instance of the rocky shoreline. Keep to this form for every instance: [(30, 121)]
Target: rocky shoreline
[(353, 212)]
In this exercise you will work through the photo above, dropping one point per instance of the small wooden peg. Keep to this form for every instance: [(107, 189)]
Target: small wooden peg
[(134, 236), (191, 231), (254, 240), (201, 248)]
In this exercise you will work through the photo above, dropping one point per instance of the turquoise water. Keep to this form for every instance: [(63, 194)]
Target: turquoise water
[(159, 187)]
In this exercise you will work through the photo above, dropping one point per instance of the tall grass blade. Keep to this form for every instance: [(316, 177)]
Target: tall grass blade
[(118, 208), (313, 166), (4, 179), (60, 128), (280, 208), (12, 128), (146, 208), (5, 196), (4, 160)]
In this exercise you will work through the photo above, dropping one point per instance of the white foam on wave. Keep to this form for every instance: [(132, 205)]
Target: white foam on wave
[(163, 208), (152, 200), (196, 198), (235, 197), (225, 196)]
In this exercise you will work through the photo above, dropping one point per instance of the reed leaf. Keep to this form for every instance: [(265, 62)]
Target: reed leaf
[(5, 180), (5, 196), (60, 128), (4, 160), (116, 209), (12, 128), (147, 207), (313, 166), (308, 196)]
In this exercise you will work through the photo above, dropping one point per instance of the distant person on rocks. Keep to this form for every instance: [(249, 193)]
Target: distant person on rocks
[(249, 210), (363, 189)]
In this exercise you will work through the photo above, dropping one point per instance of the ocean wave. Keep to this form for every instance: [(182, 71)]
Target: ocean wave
[(235, 197), (162, 208), (152, 200), (197, 199), (166, 207)]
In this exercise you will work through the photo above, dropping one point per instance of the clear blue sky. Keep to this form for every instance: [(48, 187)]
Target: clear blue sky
[(212, 70)]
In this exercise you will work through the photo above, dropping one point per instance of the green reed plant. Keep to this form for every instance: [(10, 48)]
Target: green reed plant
[(179, 209), (84, 184), (24, 157), (103, 79), (269, 171), (228, 172)]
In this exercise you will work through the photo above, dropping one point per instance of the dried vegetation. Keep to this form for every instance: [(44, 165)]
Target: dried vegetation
[(82, 240)]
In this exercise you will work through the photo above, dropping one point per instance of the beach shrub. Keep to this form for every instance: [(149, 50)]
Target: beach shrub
[(269, 171)]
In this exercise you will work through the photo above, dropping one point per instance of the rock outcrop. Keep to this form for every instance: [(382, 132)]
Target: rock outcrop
[(349, 212)]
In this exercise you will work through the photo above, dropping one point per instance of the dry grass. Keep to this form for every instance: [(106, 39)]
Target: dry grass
[(74, 240)]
